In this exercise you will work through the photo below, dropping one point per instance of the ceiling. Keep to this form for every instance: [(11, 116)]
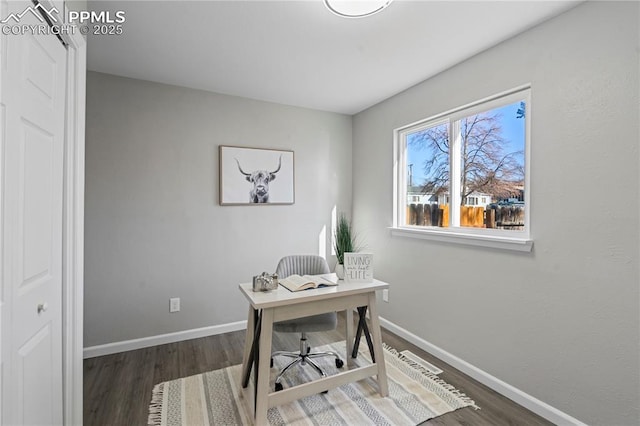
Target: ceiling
[(298, 52)]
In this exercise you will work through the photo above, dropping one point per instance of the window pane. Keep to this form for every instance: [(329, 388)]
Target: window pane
[(492, 161), (428, 176)]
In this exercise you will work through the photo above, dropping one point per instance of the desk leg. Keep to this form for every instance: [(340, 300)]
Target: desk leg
[(367, 334), (349, 334), (252, 361), (263, 368), (363, 329), (248, 342), (377, 345)]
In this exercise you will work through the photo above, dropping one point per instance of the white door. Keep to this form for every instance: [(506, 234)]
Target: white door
[(32, 115)]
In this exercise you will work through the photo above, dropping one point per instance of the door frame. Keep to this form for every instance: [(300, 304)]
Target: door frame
[(73, 229)]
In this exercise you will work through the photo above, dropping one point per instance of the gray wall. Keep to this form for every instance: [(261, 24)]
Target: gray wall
[(560, 323), (154, 229)]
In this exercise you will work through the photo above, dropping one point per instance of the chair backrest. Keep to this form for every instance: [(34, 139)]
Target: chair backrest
[(305, 264)]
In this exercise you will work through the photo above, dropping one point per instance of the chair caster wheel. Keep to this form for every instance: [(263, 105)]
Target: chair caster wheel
[(271, 363), (339, 363), (278, 387)]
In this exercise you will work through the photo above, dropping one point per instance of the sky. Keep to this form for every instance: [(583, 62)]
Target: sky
[(513, 130)]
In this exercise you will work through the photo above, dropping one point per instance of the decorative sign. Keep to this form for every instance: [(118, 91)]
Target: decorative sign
[(358, 267)]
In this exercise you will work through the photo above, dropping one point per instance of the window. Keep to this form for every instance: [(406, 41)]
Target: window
[(472, 162)]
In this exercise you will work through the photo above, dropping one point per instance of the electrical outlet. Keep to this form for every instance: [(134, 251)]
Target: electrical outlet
[(385, 295), (174, 304)]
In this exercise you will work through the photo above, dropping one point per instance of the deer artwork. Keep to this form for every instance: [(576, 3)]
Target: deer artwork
[(260, 180)]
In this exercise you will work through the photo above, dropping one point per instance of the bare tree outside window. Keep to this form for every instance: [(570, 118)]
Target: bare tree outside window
[(490, 164)]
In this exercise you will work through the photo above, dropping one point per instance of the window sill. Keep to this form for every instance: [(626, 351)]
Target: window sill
[(491, 241)]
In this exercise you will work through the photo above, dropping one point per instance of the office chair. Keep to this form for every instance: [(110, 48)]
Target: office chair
[(304, 265)]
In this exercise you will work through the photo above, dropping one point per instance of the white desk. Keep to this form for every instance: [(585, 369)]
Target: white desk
[(281, 304)]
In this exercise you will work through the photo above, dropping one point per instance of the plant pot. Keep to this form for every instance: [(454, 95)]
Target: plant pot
[(340, 271)]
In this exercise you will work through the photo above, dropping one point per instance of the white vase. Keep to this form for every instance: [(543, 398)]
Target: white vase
[(340, 271)]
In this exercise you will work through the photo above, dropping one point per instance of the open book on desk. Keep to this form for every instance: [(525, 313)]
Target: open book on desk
[(305, 282)]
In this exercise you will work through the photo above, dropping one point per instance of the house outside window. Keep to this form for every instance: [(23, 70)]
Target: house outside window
[(474, 161)]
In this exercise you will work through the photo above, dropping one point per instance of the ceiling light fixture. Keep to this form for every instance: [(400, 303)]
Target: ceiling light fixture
[(356, 8)]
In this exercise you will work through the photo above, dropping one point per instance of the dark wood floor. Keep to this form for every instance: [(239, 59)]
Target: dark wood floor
[(117, 388)]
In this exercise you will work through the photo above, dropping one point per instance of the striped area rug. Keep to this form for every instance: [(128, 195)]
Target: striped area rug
[(217, 398)]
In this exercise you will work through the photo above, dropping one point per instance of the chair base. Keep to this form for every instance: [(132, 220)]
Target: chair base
[(303, 357)]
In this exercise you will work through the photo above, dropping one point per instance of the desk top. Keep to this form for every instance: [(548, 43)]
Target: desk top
[(282, 296)]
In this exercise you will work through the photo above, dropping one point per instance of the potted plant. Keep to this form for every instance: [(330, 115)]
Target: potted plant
[(343, 242)]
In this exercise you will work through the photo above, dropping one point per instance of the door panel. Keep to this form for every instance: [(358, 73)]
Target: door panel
[(35, 189), (34, 359), (40, 72)]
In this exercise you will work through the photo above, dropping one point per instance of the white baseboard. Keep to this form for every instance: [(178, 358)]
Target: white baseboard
[(527, 401), (145, 342)]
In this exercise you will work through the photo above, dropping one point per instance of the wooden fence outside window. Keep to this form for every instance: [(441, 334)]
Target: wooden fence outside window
[(500, 217)]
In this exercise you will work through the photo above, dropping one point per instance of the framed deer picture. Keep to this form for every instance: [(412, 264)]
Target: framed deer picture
[(256, 176)]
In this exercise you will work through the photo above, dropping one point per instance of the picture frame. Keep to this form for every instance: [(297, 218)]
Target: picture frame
[(255, 176)]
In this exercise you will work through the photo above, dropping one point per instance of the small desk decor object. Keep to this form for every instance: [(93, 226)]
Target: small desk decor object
[(305, 282), (255, 176), (265, 282), (358, 267)]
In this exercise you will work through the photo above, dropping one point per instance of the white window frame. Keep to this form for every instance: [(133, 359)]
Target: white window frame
[(519, 240)]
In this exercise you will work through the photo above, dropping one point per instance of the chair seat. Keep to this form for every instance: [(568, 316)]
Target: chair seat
[(320, 322)]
